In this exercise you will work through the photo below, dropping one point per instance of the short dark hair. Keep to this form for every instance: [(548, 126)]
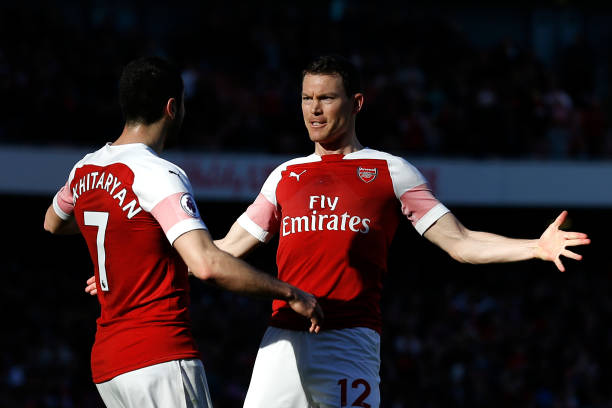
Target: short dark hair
[(336, 64), (145, 86)]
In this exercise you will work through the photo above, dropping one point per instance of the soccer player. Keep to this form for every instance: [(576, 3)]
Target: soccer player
[(336, 212), (139, 219)]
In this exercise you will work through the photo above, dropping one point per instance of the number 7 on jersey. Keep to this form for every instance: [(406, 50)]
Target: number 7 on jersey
[(100, 220)]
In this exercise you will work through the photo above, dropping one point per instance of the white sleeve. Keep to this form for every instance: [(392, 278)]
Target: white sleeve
[(165, 191), (418, 203), (261, 218)]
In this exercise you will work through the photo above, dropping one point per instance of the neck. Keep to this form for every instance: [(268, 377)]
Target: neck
[(152, 135), (343, 148)]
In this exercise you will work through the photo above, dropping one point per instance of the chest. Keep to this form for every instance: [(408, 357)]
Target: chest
[(355, 188)]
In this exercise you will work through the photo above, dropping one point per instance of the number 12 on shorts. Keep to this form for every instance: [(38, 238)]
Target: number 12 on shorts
[(358, 383)]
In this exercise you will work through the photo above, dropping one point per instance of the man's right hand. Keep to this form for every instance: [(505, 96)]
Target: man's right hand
[(91, 286), (306, 304)]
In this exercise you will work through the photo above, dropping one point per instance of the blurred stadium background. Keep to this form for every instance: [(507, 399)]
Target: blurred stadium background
[(505, 108)]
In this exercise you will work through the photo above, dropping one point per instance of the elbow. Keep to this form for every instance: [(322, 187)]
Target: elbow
[(206, 269), (49, 227), (460, 255), (202, 273), (52, 223)]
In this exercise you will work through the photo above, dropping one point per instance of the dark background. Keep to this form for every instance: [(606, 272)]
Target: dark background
[(528, 82), (507, 335)]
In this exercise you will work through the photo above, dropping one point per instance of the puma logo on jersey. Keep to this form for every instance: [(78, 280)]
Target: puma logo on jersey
[(297, 176)]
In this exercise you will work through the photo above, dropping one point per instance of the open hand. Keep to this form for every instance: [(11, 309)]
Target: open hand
[(554, 242)]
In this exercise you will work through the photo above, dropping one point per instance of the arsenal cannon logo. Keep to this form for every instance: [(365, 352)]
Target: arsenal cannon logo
[(366, 174)]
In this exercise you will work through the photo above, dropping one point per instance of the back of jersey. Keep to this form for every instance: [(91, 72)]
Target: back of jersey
[(123, 196)]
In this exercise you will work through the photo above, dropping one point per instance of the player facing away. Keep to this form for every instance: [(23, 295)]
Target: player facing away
[(336, 212), (139, 219)]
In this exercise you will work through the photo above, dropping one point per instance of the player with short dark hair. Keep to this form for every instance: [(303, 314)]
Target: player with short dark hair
[(336, 65), (143, 230), (145, 86), (336, 212)]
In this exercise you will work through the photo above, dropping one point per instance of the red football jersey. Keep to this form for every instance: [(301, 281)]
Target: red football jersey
[(130, 206), (336, 217)]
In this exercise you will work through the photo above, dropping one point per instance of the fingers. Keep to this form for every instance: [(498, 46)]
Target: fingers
[(575, 242), (317, 317), (559, 264), (560, 219), (569, 254), (314, 326), (575, 235), (91, 286), (306, 305)]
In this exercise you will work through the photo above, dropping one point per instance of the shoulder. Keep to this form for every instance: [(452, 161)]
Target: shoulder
[(297, 161), (404, 175), (155, 178), (276, 174), (268, 189), (394, 162)]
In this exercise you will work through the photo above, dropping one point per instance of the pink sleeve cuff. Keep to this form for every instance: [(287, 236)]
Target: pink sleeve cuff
[(421, 207), (63, 203), (263, 213), (177, 214)]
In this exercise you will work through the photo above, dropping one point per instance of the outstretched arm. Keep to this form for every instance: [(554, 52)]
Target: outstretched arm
[(210, 264), (477, 247)]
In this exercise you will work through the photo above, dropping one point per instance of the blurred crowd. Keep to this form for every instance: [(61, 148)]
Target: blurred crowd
[(430, 88), (504, 336), (498, 336)]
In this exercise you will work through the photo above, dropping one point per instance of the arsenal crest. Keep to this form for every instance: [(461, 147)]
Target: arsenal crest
[(367, 175)]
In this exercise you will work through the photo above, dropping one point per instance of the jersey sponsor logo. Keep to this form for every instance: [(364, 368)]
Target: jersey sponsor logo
[(367, 175), (297, 176), (324, 222), (189, 206)]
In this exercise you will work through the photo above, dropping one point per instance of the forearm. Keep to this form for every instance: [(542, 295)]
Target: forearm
[(55, 225), (237, 276), (482, 247), (478, 247), (238, 242), (210, 264)]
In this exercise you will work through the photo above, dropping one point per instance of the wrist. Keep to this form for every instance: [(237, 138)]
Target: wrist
[(536, 250), (290, 293)]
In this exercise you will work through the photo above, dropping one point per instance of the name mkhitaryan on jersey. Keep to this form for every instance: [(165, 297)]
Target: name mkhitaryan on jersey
[(109, 183)]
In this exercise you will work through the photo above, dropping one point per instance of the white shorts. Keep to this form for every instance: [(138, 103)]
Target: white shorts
[(335, 368), (177, 384)]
